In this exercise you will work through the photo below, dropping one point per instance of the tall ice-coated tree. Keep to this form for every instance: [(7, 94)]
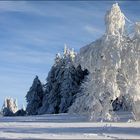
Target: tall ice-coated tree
[(114, 65)]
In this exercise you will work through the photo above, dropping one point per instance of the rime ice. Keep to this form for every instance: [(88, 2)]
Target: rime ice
[(114, 65), (115, 21)]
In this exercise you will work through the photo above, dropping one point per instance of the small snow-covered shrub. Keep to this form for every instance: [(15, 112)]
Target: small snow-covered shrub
[(7, 112), (20, 112), (9, 107)]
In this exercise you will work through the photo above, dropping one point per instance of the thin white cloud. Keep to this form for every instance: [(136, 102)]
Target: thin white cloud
[(13, 6), (34, 36), (30, 57), (19, 6), (52, 9), (93, 30)]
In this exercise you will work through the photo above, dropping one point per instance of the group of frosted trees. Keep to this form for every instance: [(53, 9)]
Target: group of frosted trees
[(62, 85), (59, 92), (104, 77)]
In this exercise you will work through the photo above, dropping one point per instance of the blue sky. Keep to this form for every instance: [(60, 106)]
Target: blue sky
[(32, 32)]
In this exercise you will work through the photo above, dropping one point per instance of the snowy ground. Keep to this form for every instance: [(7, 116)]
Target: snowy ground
[(64, 126)]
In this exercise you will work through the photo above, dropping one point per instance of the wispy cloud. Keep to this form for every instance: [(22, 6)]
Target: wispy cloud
[(19, 6), (29, 57), (93, 30)]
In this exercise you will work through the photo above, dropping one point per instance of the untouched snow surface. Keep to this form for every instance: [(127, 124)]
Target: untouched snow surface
[(64, 126)]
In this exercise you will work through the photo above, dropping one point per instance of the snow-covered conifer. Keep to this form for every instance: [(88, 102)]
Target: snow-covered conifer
[(72, 78), (63, 82), (114, 65), (34, 97)]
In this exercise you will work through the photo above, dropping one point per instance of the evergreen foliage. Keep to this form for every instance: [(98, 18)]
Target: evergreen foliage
[(63, 83), (34, 97)]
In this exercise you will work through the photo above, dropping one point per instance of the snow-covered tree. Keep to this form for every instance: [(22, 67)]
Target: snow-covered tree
[(34, 97), (114, 65), (63, 82), (134, 72), (20, 112), (9, 107), (72, 79), (51, 99), (115, 21)]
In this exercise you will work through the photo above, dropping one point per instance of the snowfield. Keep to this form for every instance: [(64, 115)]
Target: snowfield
[(64, 126)]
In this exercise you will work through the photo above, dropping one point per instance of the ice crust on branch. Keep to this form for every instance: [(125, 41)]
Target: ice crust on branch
[(137, 29), (115, 21)]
